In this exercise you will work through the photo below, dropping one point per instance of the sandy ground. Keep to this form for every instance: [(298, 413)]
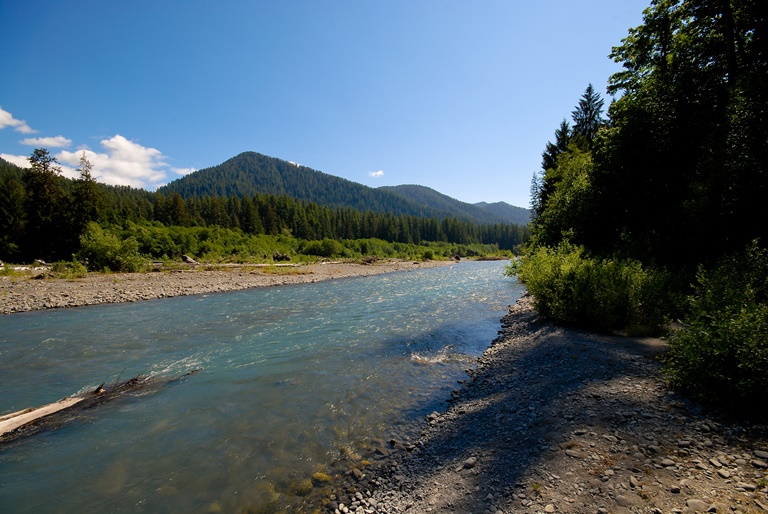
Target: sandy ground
[(23, 293)]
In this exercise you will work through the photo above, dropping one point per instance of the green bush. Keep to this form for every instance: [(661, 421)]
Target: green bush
[(721, 354), (571, 287), (103, 250), (325, 248), (69, 270)]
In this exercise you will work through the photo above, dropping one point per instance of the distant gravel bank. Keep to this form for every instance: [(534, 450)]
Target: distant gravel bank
[(21, 294)]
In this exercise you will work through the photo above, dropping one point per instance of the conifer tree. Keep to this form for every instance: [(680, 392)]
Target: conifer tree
[(46, 224), (588, 116)]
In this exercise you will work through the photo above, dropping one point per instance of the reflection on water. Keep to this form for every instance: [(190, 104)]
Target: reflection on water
[(293, 378)]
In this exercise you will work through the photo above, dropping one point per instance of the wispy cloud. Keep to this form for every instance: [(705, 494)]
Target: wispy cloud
[(183, 171), (7, 120), (47, 142), (376, 174)]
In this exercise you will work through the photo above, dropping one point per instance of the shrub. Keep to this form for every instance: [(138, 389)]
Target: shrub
[(721, 353), (325, 248), (571, 287), (69, 270), (103, 250)]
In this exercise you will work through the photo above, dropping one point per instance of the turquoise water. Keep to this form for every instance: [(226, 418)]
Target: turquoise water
[(293, 378)]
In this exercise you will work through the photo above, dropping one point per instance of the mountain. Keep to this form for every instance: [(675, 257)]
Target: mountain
[(252, 173), (483, 212), (516, 215)]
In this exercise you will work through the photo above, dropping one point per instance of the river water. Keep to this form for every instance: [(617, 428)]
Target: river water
[(292, 379)]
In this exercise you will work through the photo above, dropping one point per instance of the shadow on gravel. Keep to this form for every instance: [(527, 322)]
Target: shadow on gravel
[(525, 400)]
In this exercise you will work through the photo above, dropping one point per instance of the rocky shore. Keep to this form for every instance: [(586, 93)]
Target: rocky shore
[(557, 420), (38, 289)]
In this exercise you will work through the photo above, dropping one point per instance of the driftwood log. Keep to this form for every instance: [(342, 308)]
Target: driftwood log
[(26, 422)]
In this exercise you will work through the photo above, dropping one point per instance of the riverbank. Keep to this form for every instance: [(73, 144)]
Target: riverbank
[(559, 420), (37, 290)]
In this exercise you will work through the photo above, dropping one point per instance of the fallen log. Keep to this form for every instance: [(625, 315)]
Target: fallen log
[(26, 422)]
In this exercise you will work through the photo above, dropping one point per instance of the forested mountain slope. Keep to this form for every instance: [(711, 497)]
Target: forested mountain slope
[(251, 173), (483, 212)]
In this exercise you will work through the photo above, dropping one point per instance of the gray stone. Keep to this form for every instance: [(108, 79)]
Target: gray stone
[(760, 463), (470, 463), (697, 505), (624, 501), (761, 454), (667, 463), (724, 473)]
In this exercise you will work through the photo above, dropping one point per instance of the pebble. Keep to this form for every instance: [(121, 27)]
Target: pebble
[(697, 505), (470, 463)]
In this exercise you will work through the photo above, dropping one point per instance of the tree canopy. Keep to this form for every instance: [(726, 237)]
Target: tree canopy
[(678, 173)]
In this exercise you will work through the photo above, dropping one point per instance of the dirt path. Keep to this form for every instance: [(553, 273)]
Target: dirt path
[(21, 294), (557, 420)]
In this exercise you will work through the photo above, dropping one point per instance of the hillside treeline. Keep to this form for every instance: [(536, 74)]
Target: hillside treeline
[(655, 213), (249, 174), (44, 215)]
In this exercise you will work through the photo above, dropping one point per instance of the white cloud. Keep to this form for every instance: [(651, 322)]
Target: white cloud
[(7, 120), (376, 174), (19, 160), (123, 162), (47, 142), (183, 171)]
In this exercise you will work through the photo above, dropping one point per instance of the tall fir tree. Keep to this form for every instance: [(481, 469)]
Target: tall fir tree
[(46, 220), (588, 116)]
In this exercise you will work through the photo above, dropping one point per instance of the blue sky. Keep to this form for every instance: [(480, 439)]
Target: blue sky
[(459, 96)]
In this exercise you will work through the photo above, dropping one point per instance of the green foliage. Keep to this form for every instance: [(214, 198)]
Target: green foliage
[(571, 287), (69, 270), (44, 216), (567, 205), (12, 215), (103, 250), (588, 116), (325, 248), (721, 354), (46, 220)]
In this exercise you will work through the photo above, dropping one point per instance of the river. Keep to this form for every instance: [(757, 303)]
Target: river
[(293, 380)]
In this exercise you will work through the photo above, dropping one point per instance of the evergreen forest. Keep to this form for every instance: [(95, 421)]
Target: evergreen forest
[(649, 211), (48, 217)]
